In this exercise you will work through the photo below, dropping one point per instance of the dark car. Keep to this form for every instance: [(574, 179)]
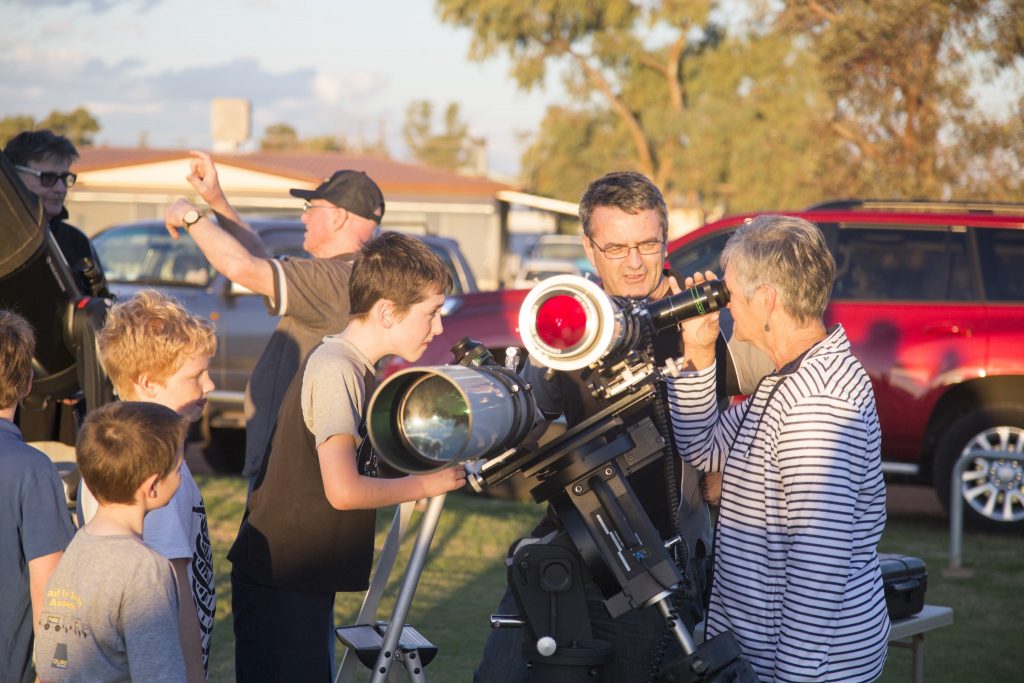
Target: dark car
[(143, 255), (932, 299)]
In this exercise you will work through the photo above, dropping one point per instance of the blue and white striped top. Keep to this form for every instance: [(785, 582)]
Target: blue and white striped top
[(796, 575)]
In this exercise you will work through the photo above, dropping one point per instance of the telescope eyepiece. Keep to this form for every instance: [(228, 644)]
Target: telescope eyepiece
[(694, 302)]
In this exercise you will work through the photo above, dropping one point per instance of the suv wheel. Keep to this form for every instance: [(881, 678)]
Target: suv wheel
[(992, 486)]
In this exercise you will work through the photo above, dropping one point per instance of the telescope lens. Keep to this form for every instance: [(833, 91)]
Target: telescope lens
[(561, 322), (434, 419)]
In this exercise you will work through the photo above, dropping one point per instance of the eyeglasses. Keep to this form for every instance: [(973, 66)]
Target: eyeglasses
[(619, 251), (49, 178), (309, 207)]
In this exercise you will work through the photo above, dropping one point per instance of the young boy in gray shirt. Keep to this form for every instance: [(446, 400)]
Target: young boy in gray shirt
[(309, 526), (110, 610)]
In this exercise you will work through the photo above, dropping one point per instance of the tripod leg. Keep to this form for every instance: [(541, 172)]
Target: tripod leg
[(678, 630), (405, 594), (414, 667), (368, 611)]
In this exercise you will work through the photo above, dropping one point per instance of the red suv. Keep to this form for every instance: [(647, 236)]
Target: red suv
[(932, 299)]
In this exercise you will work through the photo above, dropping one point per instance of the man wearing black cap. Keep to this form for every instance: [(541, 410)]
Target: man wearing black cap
[(310, 295)]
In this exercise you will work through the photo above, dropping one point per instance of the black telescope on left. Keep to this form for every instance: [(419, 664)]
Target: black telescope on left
[(37, 283)]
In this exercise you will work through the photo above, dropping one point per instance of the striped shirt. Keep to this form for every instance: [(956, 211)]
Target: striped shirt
[(796, 575)]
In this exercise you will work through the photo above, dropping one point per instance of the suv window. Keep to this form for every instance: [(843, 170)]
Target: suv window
[(148, 255), (1002, 252), (700, 256), (904, 263)]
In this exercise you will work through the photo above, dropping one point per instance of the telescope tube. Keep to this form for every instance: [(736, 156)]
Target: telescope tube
[(424, 419)]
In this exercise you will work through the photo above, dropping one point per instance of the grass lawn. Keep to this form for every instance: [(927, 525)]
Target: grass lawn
[(465, 576)]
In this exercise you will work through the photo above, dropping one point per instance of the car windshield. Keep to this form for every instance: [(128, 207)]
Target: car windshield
[(568, 251), (148, 255)]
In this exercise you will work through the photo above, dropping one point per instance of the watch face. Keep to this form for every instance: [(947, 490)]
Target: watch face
[(190, 217)]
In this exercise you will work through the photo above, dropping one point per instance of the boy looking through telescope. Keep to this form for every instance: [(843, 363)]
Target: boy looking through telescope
[(308, 527)]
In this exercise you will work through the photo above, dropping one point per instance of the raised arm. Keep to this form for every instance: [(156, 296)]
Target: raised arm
[(225, 252), (204, 178)]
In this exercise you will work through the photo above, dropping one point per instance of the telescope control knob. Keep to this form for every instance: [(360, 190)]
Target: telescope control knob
[(546, 646)]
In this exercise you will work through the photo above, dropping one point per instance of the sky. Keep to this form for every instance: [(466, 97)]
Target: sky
[(148, 69)]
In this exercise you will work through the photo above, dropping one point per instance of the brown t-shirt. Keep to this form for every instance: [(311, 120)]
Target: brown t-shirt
[(291, 537), (311, 296)]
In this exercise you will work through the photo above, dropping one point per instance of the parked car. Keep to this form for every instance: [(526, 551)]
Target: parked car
[(561, 249), (932, 299), (143, 255), (533, 271)]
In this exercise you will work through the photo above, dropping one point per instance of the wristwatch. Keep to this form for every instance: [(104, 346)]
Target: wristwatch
[(190, 218)]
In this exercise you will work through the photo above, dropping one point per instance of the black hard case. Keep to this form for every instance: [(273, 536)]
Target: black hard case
[(905, 579)]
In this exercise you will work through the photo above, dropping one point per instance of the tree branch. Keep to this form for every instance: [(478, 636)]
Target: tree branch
[(867, 148), (620, 108), (821, 11)]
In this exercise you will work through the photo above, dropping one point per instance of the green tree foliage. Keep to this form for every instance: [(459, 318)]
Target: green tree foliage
[(282, 137), (448, 148), (77, 125), (815, 99), (756, 125), (12, 125), (279, 136), (628, 56), (899, 77), (570, 148)]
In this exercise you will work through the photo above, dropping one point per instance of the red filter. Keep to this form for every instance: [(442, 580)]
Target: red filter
[(561, 321)]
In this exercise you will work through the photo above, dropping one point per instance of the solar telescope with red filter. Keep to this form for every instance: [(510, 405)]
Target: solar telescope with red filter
[(569, 323)]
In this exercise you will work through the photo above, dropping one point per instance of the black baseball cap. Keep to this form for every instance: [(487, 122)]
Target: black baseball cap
[(351, 190)]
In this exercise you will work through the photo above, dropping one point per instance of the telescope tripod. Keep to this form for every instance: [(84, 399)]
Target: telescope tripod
[(375, 643)]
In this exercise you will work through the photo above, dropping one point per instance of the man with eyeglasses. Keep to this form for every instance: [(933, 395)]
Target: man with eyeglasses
[(310, 295), (625, 231), (42, 159)]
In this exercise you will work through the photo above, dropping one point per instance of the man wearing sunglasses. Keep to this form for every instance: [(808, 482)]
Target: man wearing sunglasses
[(42, 159), (309, 295)]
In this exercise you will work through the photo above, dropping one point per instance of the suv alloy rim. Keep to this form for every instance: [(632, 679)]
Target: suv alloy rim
[(992, 484)]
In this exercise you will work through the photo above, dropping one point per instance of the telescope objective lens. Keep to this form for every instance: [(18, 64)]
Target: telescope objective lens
[(434, 419)]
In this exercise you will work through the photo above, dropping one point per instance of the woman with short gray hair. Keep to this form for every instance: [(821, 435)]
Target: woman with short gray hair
[(796, 575)]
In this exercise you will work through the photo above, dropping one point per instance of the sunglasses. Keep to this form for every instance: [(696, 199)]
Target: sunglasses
[(49, 178)]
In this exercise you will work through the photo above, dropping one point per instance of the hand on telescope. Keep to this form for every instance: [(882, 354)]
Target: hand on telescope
[(699, 334), (443, 481)]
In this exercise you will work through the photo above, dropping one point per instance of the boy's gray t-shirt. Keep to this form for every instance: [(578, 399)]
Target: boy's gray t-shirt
[(312, 298), (110, 613), (334, 390)]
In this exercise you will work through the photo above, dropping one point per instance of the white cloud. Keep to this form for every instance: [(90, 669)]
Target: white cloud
[(349, 87)]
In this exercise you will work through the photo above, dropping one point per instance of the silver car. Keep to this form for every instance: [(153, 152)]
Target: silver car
[(143, 256)]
